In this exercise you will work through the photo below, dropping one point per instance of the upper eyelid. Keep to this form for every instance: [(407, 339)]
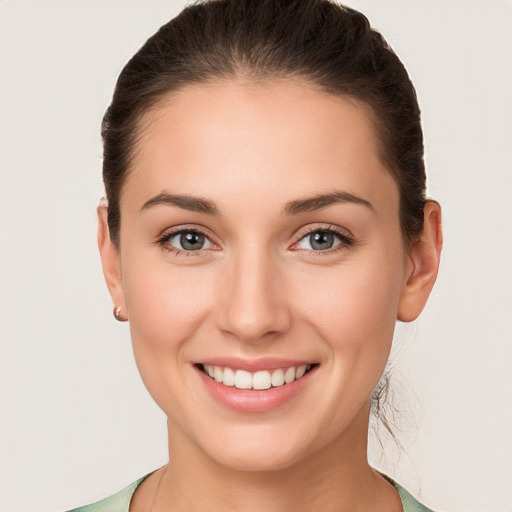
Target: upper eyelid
[(190, 228), (343, 232)]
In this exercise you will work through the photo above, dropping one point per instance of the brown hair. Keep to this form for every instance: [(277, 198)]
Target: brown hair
[(324, 44)]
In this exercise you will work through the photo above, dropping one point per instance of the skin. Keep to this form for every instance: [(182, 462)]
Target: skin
[(257, 288)]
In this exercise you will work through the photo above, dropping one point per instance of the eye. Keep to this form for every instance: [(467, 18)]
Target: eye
[(322, 240), (186, 240)]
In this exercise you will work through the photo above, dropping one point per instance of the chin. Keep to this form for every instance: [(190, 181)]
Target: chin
[(257, 461), (257, 451)]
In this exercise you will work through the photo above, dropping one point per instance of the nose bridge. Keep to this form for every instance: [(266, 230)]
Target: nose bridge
[(252, 306)]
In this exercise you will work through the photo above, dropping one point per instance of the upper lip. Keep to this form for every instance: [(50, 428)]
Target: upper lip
[(252, 365)]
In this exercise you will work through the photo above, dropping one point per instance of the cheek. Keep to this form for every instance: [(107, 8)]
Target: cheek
[(166, 306), (162, 296), (355, 305)]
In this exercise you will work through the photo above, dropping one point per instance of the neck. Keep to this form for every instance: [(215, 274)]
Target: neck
[(335, 478)]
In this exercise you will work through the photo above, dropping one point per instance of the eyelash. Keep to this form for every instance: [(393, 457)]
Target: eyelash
[(163, 241), (346, 240)]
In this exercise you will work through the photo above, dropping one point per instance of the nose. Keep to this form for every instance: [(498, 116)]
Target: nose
[(252, 297)]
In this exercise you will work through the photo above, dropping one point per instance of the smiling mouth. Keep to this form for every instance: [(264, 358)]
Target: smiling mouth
[(260, 380)]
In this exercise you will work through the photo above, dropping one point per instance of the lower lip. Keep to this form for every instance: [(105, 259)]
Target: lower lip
[(252, 400)]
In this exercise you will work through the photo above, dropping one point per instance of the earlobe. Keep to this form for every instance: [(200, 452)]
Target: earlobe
[(110, 260), (423, 265)]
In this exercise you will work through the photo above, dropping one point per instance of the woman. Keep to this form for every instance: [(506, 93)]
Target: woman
[(265, 226)]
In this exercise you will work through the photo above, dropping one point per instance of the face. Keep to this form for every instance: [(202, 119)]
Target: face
[(260, 244)]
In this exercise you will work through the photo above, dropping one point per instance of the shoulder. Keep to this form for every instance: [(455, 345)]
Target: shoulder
[(119, 502), (409, 503)]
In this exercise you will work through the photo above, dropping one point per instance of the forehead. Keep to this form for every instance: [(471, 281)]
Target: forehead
[(273, 140)]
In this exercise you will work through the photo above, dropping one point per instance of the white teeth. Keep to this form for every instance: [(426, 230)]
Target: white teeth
[(243, 379), (218, 373), (263, 379), (229, 377), (289, 376), (277, 377), (301, 370)]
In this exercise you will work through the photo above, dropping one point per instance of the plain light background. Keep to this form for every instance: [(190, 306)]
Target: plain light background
[(76, 423)]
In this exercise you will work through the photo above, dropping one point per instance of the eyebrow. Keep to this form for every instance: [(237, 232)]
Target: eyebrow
[(191, 203), (322, 201), (201, 205)]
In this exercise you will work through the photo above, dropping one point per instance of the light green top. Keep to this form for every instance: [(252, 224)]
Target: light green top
[(120, 502)]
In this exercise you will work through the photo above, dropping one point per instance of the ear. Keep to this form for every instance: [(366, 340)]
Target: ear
[(423, 265), (111, 263)]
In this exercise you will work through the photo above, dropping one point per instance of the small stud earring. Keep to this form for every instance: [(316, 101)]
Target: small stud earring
[(117, 314)]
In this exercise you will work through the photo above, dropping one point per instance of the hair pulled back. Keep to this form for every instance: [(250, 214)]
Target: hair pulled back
[(326, 45)]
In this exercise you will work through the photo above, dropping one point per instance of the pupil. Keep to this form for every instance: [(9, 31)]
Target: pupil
[(192, 241), (321, 240)]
